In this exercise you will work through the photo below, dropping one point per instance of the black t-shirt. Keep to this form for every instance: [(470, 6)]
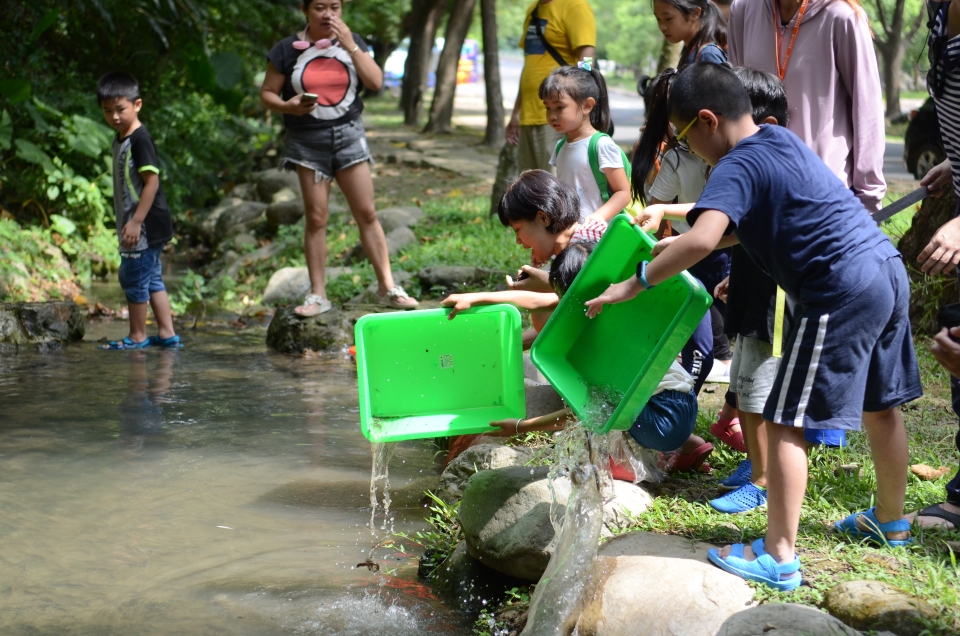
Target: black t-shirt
[(752, 300), (133, 155), (328, 73)]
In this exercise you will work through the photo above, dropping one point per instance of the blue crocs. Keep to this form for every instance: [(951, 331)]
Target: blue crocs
[(126, 343), (764, 569), (173, 342), (877, 531), (743, 499), (740, 477)]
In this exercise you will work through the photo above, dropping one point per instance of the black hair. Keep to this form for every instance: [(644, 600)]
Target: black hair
[(580, 84), (713, 87), (654, 133), (767, 95), (568, 263), (116, 85), (713, 25), (539, 191)]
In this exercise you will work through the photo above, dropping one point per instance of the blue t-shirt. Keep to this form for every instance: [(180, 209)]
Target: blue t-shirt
[(708, 53), (796, 219)]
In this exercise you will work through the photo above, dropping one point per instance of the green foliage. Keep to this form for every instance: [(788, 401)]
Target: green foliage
[(627, 32), (446, 533)]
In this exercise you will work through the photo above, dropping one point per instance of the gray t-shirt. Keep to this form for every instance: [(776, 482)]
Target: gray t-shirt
[(132, 155)]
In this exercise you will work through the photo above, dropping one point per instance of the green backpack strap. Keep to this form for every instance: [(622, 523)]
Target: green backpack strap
[(593, 154)]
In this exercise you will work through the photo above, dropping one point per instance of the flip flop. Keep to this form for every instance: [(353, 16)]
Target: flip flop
[(126, 343), (878, 532), (936, 510), (173, 342), (692, 461), (764, 569), (734, 439)]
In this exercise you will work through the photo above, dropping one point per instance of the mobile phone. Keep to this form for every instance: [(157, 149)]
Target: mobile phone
[(522, 274), (308, 98), (949, 315)]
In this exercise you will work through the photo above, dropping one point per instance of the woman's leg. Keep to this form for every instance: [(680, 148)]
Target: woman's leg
[(357, 186), (316, 197)]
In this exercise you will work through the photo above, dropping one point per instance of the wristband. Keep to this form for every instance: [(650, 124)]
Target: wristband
[(355, 47), (642, 275)]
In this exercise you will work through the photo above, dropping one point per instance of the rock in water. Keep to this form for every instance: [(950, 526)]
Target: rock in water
[(289, 333), (875, 605), (505, 516), (473, 460), (464, 582), (664, 584), (41, 325), (291, 284), (784, 619)]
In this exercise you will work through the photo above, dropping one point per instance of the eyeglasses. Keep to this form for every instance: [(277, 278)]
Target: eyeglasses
[(679, 137)]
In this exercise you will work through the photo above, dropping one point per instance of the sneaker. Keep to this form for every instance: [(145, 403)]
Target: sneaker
[(740, 477), (719, 373), (743, 499)]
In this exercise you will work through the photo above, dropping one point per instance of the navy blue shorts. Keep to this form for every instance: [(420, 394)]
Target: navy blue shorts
[(666, 421), (141, 274), (842, 362)]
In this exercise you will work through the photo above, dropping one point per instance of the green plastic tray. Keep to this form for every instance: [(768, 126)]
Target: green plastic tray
[(626, 350), (423, 375)]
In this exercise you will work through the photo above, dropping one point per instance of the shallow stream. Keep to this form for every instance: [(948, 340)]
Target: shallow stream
[(219, 489)]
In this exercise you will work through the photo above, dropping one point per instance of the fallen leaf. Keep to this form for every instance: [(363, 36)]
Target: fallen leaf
[(356, 279), (431, 191), (476, 221), (80, 299), (403, 258), (928, 473), (465, 248), (342, 236), (456, 192)]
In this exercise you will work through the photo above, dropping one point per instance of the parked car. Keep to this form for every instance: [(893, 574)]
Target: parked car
[(922, 145)]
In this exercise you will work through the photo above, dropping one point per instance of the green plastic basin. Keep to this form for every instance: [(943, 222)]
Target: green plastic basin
[(423, 375), (620, 356)]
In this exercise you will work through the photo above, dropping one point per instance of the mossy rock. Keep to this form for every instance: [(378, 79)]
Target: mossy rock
[(40, 325), (290, 333)]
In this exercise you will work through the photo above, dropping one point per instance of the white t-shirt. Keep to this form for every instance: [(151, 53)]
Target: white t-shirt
[(676, 379), (573, 168), (681, 175)]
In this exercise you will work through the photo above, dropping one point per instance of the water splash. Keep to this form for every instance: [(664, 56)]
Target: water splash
[(380, 480)]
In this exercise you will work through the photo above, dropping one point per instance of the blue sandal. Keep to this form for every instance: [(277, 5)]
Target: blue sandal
[(878, 531), (126, 343), (173, 342), (764, 569)]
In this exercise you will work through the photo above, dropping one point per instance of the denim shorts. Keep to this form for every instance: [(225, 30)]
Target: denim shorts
[(326, 151), (141, 274), (666, 421)]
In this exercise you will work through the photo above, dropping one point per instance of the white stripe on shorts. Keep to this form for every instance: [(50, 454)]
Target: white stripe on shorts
[(812, 370), (778, 415)]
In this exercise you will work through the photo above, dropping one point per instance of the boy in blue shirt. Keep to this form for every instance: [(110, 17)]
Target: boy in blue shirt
[(143, 218), (850, 356)]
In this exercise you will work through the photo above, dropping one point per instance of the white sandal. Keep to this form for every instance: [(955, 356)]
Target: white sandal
[(397, 298), (313, 305)]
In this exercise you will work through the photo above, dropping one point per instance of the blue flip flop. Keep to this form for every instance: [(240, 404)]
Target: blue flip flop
[(173, 342), (764, 569), (877, 532), (126, 343)]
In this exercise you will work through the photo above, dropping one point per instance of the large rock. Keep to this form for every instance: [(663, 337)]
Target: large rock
[(40, 325), (661, 582), (392, 218), (453, 277), (397, 239), (505, 516), (291, 284), (271, 181), (875, 605), (542, 399), (465, 583), (476, 458), (784, 619), (236, 217), (284, 213), (289, 333)]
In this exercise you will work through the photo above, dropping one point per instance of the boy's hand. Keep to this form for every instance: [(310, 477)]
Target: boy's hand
[(295, 107), (662, 244), (458, 303), (506, 428), (130, 235), (937, 178), (722, 289), (616, 293), (536, 280), (947, 350), (649, 217)]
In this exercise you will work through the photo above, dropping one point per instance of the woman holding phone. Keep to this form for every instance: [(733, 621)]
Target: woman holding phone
[(314, 79)]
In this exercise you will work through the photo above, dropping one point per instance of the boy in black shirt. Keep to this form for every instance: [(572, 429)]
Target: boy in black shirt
[(143, 218)]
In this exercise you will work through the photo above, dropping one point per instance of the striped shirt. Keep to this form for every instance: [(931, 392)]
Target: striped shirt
[(947, 71)]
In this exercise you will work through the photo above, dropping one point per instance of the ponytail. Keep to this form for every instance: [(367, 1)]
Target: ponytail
[(580, 83), (713, 26), (654, 133)]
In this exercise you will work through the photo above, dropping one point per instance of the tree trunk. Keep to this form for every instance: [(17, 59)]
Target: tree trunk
[(892, 50), (441, 109), (494, 136), (425, 15), (928, 293), (669, 56)]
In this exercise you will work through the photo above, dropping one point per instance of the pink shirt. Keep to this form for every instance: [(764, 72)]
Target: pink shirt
[(832, 85)]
